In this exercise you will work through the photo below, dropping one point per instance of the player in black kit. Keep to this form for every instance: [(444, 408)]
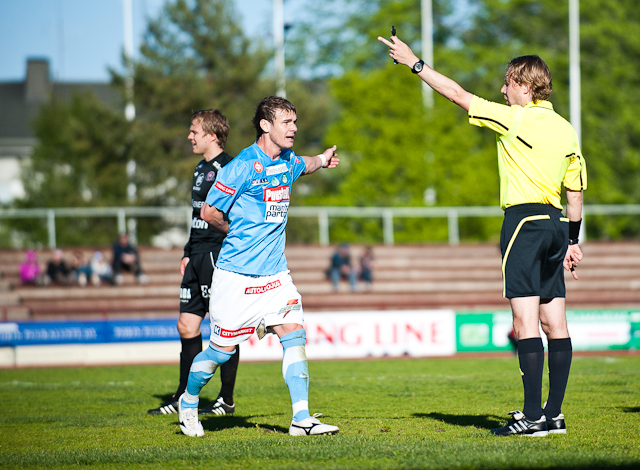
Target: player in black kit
[(208, 135)]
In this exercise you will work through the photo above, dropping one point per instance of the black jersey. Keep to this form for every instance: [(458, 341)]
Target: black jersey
[(202, 238)]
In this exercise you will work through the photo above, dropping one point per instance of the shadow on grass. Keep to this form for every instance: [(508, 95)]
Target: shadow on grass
[(218, 423), (630, 409), (163, 398), (482, 421)]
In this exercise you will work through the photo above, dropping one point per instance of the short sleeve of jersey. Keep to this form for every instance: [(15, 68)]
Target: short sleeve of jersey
[(495, 116), (298, 166), (229, 184), (575, 178)]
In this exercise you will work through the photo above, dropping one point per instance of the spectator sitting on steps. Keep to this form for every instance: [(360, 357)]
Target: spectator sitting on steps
[(30, 270), (341, 268), (80, 269), (366, 267), (57, 270), (100, 270), (126, 257)]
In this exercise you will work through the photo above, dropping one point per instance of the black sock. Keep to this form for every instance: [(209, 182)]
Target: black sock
[(560, 353), (228, 372), (531, 357), (191, 347)]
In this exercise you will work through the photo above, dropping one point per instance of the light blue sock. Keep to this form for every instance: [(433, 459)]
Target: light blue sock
[(295, 371), (202, 369)]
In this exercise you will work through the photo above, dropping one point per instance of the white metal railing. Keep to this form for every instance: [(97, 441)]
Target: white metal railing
[(323, 214)]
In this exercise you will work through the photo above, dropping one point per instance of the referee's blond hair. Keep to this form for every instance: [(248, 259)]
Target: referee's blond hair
[(531, 70)]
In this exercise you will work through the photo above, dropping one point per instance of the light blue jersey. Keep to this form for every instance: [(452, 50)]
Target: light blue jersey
[(254, 192)]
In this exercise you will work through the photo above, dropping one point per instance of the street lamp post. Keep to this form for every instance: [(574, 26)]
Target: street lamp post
[(130, 109), (278, 43), (427, 48)]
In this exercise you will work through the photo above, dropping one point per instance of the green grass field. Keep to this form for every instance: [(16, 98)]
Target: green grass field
[(405, 413)]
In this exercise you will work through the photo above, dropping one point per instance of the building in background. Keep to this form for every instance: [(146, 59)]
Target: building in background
[(20, 103)]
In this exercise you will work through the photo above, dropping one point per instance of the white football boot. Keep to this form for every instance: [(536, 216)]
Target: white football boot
[(189, 422), (311, 427)]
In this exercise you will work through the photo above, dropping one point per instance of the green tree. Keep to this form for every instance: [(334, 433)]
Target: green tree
[(80, 161), (194, 56), (609, 33), (380, 114)]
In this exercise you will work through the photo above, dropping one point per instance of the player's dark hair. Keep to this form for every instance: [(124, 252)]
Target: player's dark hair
[(267, 109), (213, 122), (531, 70)]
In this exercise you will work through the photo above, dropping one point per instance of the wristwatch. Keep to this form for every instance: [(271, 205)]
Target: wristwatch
[(418, 66)]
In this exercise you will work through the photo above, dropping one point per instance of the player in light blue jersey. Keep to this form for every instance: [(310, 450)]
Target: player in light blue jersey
[(251, 285)]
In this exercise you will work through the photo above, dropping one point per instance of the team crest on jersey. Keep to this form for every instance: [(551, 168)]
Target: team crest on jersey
[(277, 169), (225, 189), (285, 180), (277, 194), (259, 182), (210, 176), (257, 166)]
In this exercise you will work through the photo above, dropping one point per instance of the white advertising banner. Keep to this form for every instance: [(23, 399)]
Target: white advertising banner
[(351, 335)]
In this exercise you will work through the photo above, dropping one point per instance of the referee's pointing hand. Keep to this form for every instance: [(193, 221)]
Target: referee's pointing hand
[(399, 51)]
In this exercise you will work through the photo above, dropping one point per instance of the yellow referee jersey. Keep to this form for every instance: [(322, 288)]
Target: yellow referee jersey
[(538, 151)]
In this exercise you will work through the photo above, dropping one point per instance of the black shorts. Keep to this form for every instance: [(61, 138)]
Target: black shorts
[(533, 242), (196, 284)]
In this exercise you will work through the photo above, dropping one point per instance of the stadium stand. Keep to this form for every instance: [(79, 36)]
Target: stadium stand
[(464, 277)]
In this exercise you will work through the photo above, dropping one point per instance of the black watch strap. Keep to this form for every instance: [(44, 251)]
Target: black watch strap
[(418, 66)]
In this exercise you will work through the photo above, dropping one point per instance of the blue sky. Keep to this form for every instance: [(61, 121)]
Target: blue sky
[(81, 38)]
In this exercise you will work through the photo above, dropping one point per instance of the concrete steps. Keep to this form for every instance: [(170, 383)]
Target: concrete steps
[(464, 277)]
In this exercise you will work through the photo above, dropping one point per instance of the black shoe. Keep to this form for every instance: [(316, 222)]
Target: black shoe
[(519, 425), (218, 407), (168, 408), (557, 425)]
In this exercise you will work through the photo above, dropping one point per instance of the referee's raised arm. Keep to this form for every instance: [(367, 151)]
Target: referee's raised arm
[(448, 88)]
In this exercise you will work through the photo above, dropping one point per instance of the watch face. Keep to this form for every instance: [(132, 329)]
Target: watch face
[(417, 67)]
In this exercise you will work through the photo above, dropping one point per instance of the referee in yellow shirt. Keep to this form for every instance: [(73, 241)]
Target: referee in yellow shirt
[(538, 153)]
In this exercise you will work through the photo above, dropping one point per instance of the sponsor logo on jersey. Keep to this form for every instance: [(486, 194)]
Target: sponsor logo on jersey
[(204, 290), (277, 169), (217, 166), (197, 204), (297, 161), (277, 194), (285, 180), (185, 295), (199, 223), (276, 212), (233, 333), (257, 166), (274, 181), (199, 180), (291, 305), (224, 189), (262, 289), (259, 182), (195, 174), (210, 176)]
